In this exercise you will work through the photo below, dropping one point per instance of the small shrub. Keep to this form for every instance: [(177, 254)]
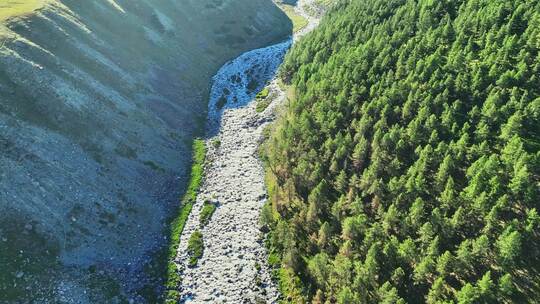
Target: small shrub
[(274, 259), (172, 297), (206, 213), (263, 93), (262, 105), (258, 282), (216, 143), (197, 171), (195, 248), (263, 101), (266, 219)]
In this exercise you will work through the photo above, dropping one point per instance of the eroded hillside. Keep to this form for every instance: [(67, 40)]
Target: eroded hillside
[(99, 101)]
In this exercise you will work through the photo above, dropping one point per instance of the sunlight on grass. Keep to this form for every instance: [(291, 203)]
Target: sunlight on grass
[(178, 224), (325, 2), (15, 8), (299, 22)]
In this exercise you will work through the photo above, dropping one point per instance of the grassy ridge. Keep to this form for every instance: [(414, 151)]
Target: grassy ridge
[(14, 8), (177, 225)]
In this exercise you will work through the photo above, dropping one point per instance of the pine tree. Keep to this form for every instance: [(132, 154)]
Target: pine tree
[(509, 245)]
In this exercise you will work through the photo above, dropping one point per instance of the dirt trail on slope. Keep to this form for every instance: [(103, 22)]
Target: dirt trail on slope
[(233, 267)]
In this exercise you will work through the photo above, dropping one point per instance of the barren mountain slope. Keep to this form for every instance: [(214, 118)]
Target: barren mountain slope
[(99, 101)]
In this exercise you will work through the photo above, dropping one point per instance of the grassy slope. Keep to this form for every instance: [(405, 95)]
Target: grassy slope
[(299, 22), (325, 2), (15, 8)]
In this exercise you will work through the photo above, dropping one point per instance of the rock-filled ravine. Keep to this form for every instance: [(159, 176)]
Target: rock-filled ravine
[(233, 265)]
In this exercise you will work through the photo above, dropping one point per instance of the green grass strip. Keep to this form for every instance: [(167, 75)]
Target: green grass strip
[(15, 8), (298, 21), (178, 224)]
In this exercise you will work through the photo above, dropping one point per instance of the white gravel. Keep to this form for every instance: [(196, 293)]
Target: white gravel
[(234, 178)]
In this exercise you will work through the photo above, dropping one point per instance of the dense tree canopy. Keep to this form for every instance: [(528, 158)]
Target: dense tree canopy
[(407, 167)]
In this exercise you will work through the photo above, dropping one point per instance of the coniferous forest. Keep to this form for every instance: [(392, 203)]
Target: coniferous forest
[(406, 168)]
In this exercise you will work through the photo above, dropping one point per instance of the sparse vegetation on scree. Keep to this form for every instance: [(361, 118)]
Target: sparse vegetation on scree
[(263, 100), (406, 168)]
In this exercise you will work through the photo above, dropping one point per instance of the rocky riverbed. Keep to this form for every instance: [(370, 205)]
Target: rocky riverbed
[(233, 267)]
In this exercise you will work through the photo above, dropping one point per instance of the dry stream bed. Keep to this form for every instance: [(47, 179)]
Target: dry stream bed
[(231, 267)]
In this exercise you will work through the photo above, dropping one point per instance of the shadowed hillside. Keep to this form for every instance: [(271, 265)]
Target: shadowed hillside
[(99, 102)]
